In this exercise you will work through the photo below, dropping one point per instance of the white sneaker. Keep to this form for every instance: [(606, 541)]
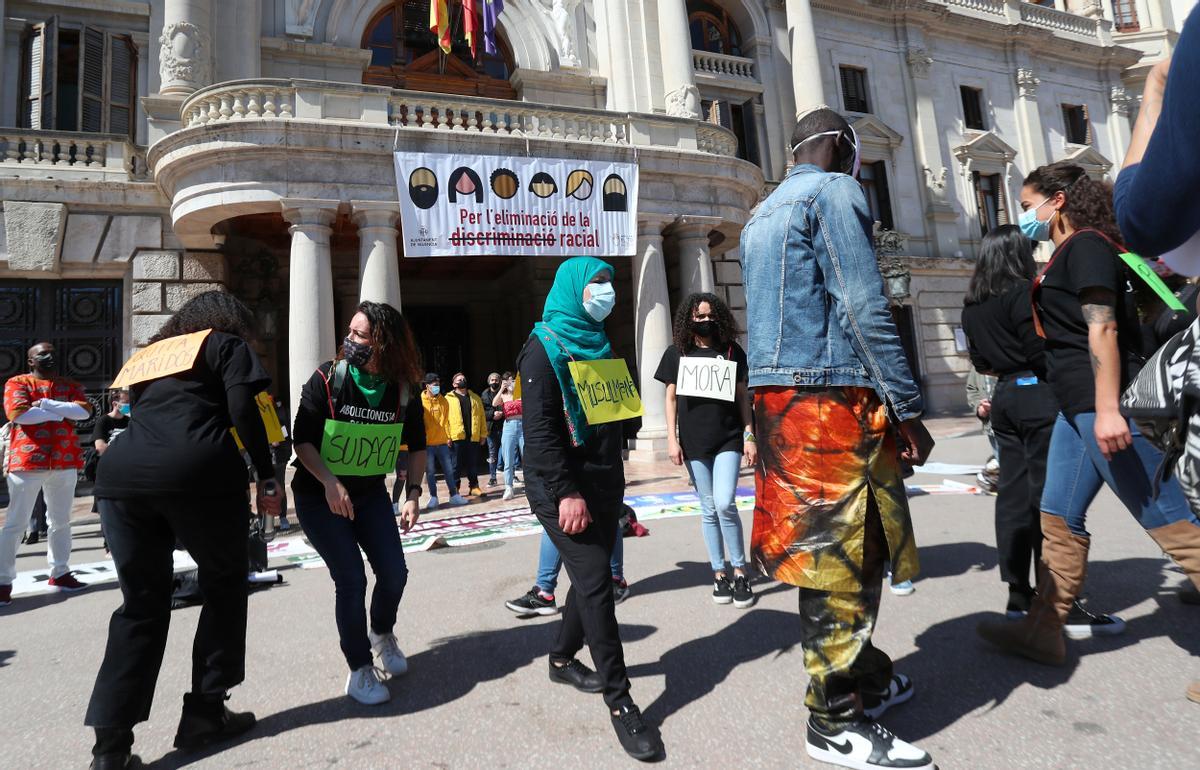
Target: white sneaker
[(432, 504), (865, 745), (508, 493), (365, 686), (390, 656), (457, 499)]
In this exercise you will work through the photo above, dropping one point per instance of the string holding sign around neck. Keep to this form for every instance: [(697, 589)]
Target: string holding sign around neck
[(1151, 279)]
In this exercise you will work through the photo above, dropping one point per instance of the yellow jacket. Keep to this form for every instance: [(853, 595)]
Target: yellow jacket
[(437, 419), (457, 429)]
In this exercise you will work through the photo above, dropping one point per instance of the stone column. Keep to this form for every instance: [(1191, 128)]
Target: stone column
[(1029, 119), (695, 262), (378, 261), (612, 26), (675, 46), (185, 56), (653, 337), (1122, 107), (310, 292), (940, 216), (806, 61)]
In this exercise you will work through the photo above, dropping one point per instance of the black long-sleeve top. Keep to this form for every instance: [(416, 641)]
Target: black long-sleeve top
[(1000, 334), (554, 468)]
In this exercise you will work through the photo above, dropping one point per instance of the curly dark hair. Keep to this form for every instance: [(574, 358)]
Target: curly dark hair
[(216, 310), (395, 349), (1089, 203), (726, 331)]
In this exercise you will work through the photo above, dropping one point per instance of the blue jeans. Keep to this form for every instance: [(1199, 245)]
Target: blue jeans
[(1075, 470), (550, 563), (512, 438), (716, 483), (443, 456), (337, 540)]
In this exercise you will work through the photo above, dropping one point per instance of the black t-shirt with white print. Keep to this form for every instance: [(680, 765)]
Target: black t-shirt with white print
[(351, 405)]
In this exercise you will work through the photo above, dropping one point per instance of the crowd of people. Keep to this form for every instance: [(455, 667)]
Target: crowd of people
[(821, 403)]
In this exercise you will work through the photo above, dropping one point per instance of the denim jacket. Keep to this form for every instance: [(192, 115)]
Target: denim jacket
[(816, 313)]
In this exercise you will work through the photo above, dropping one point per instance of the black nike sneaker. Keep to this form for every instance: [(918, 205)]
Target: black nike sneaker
[(865, 745)]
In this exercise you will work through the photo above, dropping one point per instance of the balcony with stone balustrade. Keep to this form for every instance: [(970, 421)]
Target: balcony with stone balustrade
[(243, 146), (70, 155)]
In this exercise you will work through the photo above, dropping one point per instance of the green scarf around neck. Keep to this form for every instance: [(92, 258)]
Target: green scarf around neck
[(568, 333), (373, 386)]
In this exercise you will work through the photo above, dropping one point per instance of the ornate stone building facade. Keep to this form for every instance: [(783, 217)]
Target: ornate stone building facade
[(153, 150)]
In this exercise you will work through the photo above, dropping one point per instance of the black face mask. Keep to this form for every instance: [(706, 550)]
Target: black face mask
[(355, 353), (460, 384), (494, 386), (704, 328), (45, 362)]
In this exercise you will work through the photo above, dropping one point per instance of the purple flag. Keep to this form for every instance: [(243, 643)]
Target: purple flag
[(491, 14)]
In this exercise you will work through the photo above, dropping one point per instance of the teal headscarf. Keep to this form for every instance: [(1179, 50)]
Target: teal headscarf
[(567, 332)]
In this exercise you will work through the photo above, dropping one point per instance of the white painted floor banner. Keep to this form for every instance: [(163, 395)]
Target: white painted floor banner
[(948, 469), (468, 529)]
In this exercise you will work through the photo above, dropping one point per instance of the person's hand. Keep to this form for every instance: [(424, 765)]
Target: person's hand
[(750, 454), (264, 503), (916, 441), (984, 410), (409, 513), (338, 499), (497, 414), (1112, 433), (573, 515), (674, 451)]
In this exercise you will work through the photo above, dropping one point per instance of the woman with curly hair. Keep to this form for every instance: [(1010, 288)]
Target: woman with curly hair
[(355, 413), (177, 475), (1085, 309), (715, 433)]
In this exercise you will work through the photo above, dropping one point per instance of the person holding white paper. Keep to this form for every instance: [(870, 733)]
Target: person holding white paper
[(706, 374)]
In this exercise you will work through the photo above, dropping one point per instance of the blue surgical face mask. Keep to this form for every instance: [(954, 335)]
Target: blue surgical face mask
[(600, 304), (1033, 228), (124, 409), (435, 390)]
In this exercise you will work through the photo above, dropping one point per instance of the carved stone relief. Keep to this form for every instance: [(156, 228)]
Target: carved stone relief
[(684, 102), (299, 17), (183, 54)]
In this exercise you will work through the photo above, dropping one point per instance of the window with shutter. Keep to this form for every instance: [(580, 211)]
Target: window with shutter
[(91, 81), (121, 84), (972, 102), (873, 178), (37, 87), (854, 89), (1078, 127)]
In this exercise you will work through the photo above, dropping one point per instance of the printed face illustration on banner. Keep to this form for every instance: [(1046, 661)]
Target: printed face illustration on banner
[(515, 206), (542, 185), (423, 188), (505, 183), (579, 185), (465, 182), (614, 193)]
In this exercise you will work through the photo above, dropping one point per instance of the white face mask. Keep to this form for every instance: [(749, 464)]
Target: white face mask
[(855, 164), (600, 303)]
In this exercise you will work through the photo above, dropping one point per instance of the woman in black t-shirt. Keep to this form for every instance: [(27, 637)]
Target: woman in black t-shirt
[(715, 432), (176, 475), (1085, 305), (355, 414)]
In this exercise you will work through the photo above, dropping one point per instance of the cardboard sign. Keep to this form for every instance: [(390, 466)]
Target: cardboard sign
[(706, 378), (1147, 274), (606, 390), (266, 409), (357, 449), (165, 357)]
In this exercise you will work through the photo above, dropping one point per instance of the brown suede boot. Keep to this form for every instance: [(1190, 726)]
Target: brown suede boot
[(1039, 635), (1181, 541), (1193, 692)]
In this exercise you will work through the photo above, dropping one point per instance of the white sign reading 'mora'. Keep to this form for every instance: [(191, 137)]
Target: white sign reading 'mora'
[(462, 205), (707, 378)]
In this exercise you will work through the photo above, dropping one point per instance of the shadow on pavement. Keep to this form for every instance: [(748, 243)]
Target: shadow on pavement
[(952, 559), (694, 669), (687, 574), (449, 670), (5, 655)]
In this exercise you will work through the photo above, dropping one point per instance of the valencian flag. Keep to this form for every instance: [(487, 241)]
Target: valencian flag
[(491, 15), (439, 23), (470, 31)]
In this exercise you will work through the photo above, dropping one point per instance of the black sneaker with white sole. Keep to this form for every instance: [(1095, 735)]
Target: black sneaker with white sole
[(1082, 624), (865, 745), (722, 590), (743, 595), (533, 603), (899, 690)]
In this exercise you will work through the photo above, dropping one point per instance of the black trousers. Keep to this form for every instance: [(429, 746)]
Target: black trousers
[(141, 534), (589, 614), (1022, 419), (466, 464)]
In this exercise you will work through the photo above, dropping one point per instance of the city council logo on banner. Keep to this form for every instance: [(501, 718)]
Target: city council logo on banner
[(464, 205)]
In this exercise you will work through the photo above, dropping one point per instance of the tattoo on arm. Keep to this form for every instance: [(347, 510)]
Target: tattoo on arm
[(1095, 362), (1098, 314)]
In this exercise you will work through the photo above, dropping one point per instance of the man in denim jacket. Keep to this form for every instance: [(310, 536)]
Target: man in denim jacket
[(836, 409)]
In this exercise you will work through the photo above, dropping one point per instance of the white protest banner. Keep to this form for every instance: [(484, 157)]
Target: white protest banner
[(706, 377), (461, 205)]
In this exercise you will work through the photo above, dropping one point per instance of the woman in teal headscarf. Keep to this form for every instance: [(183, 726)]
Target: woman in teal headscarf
[(575, 482)]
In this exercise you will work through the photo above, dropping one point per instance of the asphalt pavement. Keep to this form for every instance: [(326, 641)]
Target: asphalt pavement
[(726, 685)]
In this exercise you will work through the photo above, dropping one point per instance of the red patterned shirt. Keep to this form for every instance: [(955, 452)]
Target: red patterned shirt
[(47, 446)]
